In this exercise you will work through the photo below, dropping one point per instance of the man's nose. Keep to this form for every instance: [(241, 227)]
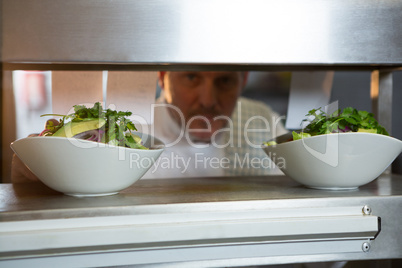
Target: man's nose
[(207, 95)]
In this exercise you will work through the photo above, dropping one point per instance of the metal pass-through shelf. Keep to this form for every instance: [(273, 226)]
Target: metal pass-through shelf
[(214, 221), (207, 34), (202, 222)]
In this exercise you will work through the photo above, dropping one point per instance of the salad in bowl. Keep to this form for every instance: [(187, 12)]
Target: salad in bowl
[(338, 151), (91, 152), (95, 124)]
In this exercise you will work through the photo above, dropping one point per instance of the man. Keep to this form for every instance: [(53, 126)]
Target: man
[(208, 129)]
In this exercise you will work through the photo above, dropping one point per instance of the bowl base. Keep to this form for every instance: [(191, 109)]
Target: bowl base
[(334, 188), (90, 195)]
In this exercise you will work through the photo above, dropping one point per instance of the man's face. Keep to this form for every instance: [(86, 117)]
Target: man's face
[(201, 98)]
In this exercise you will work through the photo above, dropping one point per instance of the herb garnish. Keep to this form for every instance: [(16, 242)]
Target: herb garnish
[(115, 129), (348, 120)]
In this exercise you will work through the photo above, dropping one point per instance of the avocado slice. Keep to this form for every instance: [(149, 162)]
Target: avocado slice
[(134, 141), (371, 130), (71, 129)]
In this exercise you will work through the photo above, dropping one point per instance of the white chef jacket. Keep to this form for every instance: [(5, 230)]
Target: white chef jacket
[(238, 147)]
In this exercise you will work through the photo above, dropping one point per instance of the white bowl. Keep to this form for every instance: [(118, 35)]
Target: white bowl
[(335, 161), (85, 168)]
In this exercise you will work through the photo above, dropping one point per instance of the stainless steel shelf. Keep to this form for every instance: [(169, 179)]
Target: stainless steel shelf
[(209, 221), (197, 67), (160, 34), (202, 222)]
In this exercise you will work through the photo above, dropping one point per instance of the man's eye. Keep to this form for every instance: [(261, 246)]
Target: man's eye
[(190, 80), (226, 82), (191, 77)]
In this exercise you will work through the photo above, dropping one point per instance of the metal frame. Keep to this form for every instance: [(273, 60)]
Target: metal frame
[(252, 221), (203, 34), (190, 34)]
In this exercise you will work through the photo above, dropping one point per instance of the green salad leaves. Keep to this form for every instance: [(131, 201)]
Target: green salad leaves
[(346, 120), (114, 126), (340, 121)]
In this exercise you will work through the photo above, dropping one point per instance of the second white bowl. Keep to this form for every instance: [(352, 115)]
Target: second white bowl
[(335, 161)]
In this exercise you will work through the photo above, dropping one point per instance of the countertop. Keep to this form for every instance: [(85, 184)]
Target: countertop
[(201, 222)]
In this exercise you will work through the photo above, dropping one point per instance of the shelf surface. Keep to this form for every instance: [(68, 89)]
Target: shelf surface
[(198, 222), (27, 199)]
